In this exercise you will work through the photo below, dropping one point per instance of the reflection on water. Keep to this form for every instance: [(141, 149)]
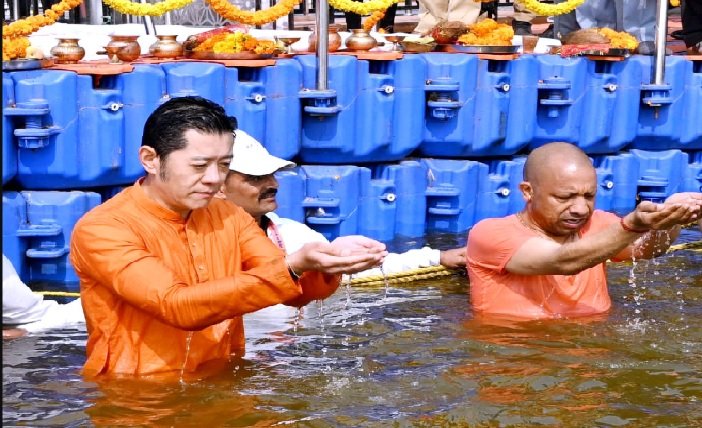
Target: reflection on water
[(416, 357)]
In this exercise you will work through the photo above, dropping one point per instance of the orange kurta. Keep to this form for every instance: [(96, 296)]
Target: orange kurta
[(163, 293), (493, 290)]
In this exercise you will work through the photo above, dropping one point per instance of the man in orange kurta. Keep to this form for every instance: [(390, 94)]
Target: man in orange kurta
[(548, 260), (166, 271)]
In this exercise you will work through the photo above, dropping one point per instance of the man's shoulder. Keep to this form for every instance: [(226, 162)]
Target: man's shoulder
[(489, 224), (112, 208)]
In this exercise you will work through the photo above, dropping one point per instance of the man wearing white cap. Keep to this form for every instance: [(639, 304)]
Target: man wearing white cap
[(251, 184)]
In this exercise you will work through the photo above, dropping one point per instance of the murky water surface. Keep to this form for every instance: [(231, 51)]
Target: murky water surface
[(413, 357)]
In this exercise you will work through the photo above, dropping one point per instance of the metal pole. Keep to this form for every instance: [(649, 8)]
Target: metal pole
[(15, 10), (322, 22), (148, 23), (661, 35), (94, 11)]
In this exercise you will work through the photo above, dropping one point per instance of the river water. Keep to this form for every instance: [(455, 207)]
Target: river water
[(416, 357)]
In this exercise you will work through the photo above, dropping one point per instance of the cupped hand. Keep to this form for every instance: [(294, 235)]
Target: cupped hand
[(348, 255), (357, 244), (679, 209)]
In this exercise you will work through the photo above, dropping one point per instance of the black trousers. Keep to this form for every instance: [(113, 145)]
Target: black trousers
[(692, 22)]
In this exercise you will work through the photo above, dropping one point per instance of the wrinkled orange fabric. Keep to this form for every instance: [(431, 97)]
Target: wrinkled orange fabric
[(493, 290), (162, 293)]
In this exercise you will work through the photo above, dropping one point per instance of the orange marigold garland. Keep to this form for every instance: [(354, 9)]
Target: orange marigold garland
[(232, 13), (14, 41), (375, 17)]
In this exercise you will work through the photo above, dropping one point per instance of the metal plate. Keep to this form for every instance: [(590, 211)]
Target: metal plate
[(410, 46), (610, 52), (239, 55), (474, 49), (21, 64)]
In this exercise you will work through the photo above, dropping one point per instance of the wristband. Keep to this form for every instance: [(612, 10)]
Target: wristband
[(293, 274), (631, 229)]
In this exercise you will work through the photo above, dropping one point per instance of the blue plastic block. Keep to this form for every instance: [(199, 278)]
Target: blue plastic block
[(499, 193), (377, 209), (693, 175), (478, 107), (74, 134), (410, 179), (204, 79), (562, 83), (332, 198), (266, 103), (291, 193), (451, 193), (450, 89), (665, 108), (9, 148), (14, 218), (371, 112), (661, 173), (51, 217), (617, 177)]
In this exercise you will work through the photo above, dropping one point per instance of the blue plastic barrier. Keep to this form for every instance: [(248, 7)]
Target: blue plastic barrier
[(291, 193), (372, 112), (44, 222), (499, 193), (377, 209), (665, 108), (14, 218), (451, 193), (661, 173), (693, 176), (9, 150), (478, 107), (70, 134), (410, 180), (617, 177), (332, 198), (593, 104), (266, 102)]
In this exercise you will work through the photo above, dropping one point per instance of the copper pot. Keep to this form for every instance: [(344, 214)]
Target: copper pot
[(166, 47), (67, 51), (129, 48), (360, 40), (333, 37)]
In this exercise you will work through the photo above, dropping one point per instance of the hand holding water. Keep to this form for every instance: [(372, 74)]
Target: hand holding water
[(348, 254), (678, 209)]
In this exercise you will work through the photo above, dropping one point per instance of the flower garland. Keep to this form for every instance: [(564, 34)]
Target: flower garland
[(675, 3), (362, 8), (14, 40), (146, 9), (552, 9), (14, 48), (370, 22), (26, 26), (232, 13)]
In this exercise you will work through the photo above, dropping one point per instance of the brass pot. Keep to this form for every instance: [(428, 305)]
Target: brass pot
[(360, 40), (129, 48), (166, 47), (67, 51), (333, 37)]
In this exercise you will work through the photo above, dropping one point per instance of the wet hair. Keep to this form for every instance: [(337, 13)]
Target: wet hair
[(165, 128)]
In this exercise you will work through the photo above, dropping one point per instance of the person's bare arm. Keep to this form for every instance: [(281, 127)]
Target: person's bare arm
[(541, 256)]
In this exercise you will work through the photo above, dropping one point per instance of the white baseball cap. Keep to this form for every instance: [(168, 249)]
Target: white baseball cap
[(251, 158)]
